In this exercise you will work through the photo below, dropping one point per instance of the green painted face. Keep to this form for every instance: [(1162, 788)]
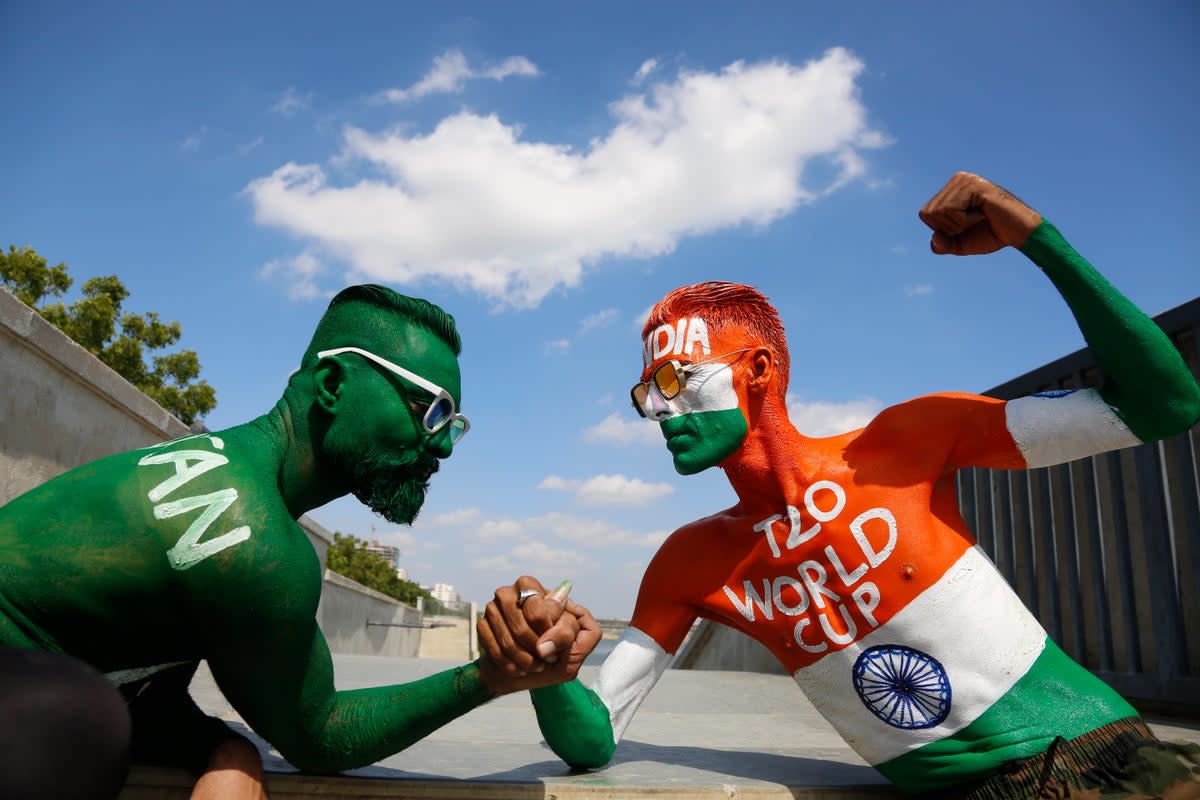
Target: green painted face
[(704, 424), (376, 438), (702, 439)]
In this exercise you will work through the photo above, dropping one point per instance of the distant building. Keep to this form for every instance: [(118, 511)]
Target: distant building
[(402, 573), (444, 593), (386, 552)]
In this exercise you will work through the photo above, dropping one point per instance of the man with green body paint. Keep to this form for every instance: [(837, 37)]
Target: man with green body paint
[(143, 563)]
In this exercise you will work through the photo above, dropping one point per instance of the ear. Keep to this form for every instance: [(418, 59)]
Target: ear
[(329, 383), (762, 369)]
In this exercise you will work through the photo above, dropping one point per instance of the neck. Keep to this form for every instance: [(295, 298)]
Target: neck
[(773, 464), (283, 438)]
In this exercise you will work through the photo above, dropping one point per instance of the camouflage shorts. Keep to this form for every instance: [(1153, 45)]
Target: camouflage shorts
[(1123, 760)]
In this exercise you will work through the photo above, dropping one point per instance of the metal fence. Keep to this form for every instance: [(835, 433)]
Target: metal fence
[(1106, 550)]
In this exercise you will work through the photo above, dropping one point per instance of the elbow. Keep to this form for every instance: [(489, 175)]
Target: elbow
[(1181, 413), (316, 760), (1170, 412), (587, 755)]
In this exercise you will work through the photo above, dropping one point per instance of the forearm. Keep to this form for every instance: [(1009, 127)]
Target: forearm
[(362, 726), (576, 724), (1147, 383)]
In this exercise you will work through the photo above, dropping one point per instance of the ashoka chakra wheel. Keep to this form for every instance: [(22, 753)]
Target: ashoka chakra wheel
[(903, 687)]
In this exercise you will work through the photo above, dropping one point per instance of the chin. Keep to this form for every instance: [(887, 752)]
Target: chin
[(685, 466)]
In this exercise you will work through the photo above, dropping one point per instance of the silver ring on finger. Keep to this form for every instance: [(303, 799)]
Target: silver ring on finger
[(524, 595)]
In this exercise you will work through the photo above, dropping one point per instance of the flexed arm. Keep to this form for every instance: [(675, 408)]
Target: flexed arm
[(542, 639), (1148, 393), (583, 725)]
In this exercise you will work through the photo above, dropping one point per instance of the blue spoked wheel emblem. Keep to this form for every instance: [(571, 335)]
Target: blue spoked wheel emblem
[(903, 687)]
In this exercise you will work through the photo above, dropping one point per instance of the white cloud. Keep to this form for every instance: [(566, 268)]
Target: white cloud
[(290, 102), (409, 542), (474, 204), (535, 557), (648, 66), (463, 516), (555, 482), (193, 142), (598, 320), (557, 346), (609, 490), (623, 429), (584, 531), (617, 490), (639, 321), (404, 539), (591, 532), (493, 529), (450, 71), (918, 289), (299, 274), (589, 323), (820, 418), (244, 149)]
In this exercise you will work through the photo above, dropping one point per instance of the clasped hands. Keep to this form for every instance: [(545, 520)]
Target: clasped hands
[(534, 643)]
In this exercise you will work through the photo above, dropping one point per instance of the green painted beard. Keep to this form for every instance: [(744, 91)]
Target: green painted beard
[(703, 439), (392, 486)]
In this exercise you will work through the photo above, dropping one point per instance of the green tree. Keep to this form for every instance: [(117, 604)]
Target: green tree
[(120, 340), (348, 556)]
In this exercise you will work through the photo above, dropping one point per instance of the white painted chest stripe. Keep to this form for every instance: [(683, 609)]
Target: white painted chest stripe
[(628, 675), (971, 621), (1054, 430)]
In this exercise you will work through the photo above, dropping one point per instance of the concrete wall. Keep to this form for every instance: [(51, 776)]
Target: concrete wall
[(449, 637), (713, 646), (61, 407), (356, 619), (318, 536)]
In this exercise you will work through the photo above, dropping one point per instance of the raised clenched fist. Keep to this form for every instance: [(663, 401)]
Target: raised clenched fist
[(971, 216)]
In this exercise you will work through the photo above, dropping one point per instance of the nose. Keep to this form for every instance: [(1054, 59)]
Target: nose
[(439, 444), (657, 407)]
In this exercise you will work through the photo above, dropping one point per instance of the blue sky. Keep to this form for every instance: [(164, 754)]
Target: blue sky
[(546, 176)]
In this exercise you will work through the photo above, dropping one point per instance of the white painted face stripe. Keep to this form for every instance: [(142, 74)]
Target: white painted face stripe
[(709, 388), (1055, 429), (628, 675), (971, 622)]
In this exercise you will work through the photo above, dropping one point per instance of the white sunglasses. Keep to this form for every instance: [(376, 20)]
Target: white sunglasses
[(441, 410)]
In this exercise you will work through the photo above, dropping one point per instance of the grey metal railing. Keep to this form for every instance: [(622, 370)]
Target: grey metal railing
[(1106, 550)]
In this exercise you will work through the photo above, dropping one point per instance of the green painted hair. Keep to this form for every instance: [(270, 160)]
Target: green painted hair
[(366, 315)]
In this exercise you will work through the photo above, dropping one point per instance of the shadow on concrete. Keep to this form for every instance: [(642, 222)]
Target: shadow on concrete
[(641, 767)]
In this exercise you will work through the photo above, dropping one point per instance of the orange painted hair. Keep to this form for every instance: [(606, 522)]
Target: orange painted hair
[(724, 305)]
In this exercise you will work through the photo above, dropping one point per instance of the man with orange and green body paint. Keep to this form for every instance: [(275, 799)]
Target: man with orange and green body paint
[(847, 556), (143, 563)]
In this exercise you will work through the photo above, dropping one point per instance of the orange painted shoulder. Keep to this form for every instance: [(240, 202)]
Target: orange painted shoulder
[(939, 432)]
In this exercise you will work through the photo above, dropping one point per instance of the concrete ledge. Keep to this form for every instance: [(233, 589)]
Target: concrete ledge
[(699, 734), (153, 783)]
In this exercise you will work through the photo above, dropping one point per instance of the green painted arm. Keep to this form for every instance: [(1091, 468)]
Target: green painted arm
[(366, 725), (1147, 383), (576, 725), (291, 703)]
